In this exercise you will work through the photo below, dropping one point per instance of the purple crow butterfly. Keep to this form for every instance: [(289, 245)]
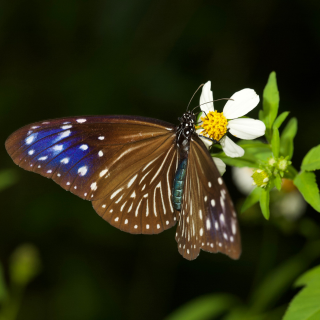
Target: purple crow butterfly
[(142, 175)]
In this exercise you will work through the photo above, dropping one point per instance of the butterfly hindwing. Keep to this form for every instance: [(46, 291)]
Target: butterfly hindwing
[(207, 218), (141, 201)]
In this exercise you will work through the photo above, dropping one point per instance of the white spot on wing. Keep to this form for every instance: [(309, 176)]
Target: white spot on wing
[(220, 180), (58, 147), (43, 158), (101, 138), (94, 186), (65, 160), (208, 223), (100, 153), (66, 127), (81, 120), (31, 152), (84, 147), (83, 170)]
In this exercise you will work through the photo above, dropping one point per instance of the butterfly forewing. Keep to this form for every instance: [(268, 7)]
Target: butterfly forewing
[(207, 219), (85, 153)]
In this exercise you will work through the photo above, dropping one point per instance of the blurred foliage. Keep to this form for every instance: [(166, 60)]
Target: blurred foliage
[(143, 57), (24, 266)]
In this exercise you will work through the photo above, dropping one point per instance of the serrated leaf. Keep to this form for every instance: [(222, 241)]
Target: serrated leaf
[(252, 198), (275, 142), (307, 185), (264, 202), (287, 136), (204, 308), (278, 122), (278, 182), (270, 100), (311, 161), (306, 304)]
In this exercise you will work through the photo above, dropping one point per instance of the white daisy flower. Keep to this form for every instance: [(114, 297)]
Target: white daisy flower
[(214, 124)]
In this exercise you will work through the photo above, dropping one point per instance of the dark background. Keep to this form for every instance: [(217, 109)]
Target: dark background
[(64, 58)]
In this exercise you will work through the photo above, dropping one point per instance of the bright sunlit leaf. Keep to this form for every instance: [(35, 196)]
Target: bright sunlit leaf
[(275, 142), (270, 103), (252, 198), (264, 202), (311, 161), (306, 304), (307, 185), (287, 136), (204, 308), (278, 122)]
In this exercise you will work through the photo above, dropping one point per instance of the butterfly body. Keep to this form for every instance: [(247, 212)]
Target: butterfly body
[(137, 172)]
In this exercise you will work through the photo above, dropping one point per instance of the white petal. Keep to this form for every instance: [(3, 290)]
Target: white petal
[(206, 96), (230, 148), (242, 102), (246, 128), (221, 166), (206, 142)]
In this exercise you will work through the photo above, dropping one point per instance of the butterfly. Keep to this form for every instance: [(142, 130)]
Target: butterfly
[(142, 175)]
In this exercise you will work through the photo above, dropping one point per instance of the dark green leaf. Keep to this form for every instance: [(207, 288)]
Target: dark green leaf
[(306, 304), (252, 198), (270, 100), (280, 119), (8, 178), (275, 142), (264, 202), (277, 282), (203, 308), (278, 182), (311, 161), (307, 185), (287, 136), (3, 289)]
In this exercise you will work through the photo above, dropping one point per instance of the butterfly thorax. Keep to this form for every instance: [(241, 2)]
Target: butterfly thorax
[(185, 131)]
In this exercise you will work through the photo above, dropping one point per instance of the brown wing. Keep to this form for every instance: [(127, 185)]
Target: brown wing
[(207, 219), (97, 158)]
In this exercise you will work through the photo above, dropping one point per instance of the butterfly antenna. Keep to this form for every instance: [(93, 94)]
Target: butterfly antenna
[(194, 95), (211, 101)]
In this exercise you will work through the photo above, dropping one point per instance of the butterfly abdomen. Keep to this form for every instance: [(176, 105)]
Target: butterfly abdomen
[(178, 184)]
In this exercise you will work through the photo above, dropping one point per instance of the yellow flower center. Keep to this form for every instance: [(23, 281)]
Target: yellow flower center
[(214, 125)]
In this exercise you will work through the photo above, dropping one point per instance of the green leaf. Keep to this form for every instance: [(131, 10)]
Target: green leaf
[(287, 136), (264, 202), (277, 282), (311, 161), (3, 289), (8, 178), (278, 182), (237, 162), (270, 103), (275, 142), (206, 307), (307, 185), (252, 198), (280, 119), (24, 264), (306, 304), (261, 115)]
